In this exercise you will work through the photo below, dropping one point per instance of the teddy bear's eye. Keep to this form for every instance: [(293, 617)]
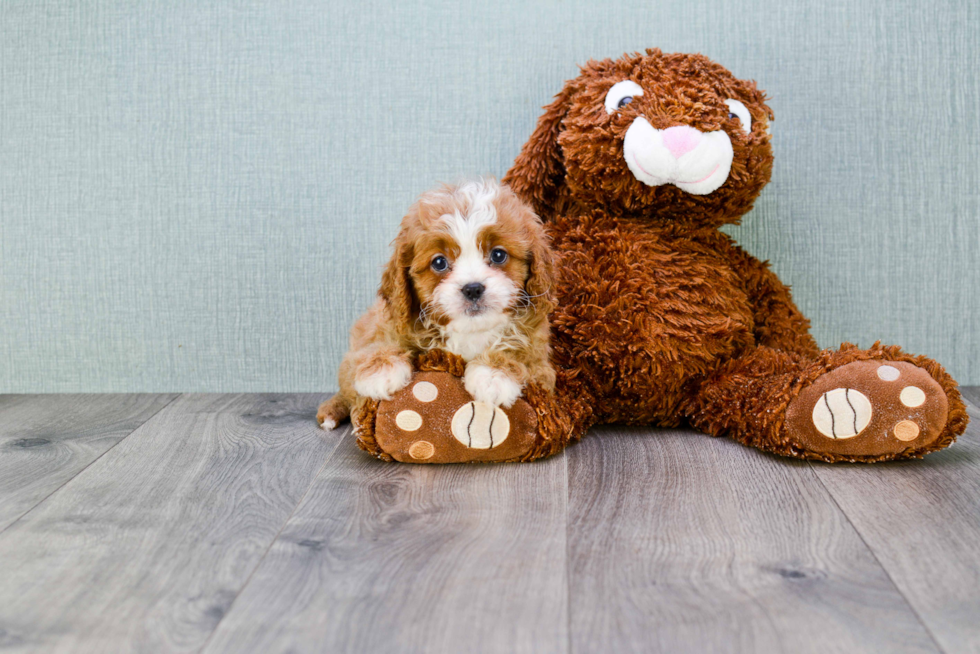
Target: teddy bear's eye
[(621, 94), (738, 110)]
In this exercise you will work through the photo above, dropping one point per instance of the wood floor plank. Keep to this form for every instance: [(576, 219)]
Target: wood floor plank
[(45, 440), (683, 543), (148, 546), (922, 520), (972, 394), (407, 558)]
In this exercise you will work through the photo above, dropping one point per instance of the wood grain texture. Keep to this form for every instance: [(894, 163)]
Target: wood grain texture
[(971, 394), (231, 524), (922, 519), (405, 558), (682, 543), (146, 549), (45, 440)]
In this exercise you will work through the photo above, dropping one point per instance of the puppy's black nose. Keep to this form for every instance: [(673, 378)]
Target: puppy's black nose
[(473, 291)]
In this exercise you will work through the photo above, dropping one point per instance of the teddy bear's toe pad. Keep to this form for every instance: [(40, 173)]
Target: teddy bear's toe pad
[(868, 408), (434, 420)]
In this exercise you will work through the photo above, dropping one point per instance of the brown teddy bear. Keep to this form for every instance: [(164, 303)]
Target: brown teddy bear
[(662, 319)]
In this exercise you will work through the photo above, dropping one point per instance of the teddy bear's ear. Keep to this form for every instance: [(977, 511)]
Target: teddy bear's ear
[(538, 170)]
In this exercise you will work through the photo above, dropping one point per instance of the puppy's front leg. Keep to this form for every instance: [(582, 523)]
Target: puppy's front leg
[(492, 385), (382, 373)]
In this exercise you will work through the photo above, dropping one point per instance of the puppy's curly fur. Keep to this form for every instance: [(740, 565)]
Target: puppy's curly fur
[(471, 273)]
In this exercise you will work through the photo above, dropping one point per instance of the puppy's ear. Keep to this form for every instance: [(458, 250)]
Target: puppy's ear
[(539, 169), (540, 284), (396, 281)]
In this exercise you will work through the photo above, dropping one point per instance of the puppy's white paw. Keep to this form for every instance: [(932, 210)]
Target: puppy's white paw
[(328, 424), (495, 387), (383, 384)]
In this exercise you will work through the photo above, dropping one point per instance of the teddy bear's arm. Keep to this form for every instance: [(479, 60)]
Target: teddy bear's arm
[(778, 323)]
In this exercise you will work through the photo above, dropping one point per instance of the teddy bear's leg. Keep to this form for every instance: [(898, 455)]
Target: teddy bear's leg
[(847, 405), (434, 420)]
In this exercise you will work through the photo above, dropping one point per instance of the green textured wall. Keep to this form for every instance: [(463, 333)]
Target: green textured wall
[(199, 196)]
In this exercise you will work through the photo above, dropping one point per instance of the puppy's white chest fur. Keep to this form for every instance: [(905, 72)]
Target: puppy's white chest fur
[(471, 337)]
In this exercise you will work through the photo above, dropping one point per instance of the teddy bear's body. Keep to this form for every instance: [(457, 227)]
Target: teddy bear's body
[(661, 313), (661, 319)]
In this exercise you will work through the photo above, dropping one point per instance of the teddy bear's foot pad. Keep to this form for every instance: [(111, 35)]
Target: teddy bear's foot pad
[(869, 408), (434, 420)]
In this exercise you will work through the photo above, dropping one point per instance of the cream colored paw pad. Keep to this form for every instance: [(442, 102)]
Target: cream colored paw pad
[(842, 413), (906, 430), (425, 391), (478, 425), (421, 450), (408, 420), (888, 373), (912, 396)]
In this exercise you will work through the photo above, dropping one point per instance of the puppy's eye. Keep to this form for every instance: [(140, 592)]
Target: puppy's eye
[(621, 94), (498, 256), (738, 110), (440, 264)]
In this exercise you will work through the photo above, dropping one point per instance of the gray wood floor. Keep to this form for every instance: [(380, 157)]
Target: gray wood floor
[(229, 523)]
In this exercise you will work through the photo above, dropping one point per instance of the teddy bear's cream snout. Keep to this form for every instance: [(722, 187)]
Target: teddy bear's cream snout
[(696, 162)]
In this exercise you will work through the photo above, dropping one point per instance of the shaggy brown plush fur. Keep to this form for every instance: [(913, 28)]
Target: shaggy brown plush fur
[(662, 319), (553, 430)]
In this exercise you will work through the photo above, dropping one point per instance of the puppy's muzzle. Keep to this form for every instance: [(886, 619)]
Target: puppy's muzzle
[(473, 291)]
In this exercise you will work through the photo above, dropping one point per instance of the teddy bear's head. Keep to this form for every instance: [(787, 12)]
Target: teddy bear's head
[(671, 137)]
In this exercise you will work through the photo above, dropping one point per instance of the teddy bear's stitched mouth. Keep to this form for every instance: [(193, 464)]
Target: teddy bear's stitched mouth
[(640, 166), (703, 179)]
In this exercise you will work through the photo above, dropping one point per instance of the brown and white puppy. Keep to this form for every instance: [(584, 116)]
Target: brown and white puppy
[(471, 273)]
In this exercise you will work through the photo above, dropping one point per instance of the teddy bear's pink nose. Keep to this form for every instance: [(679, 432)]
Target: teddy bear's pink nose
[(681, 140)]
